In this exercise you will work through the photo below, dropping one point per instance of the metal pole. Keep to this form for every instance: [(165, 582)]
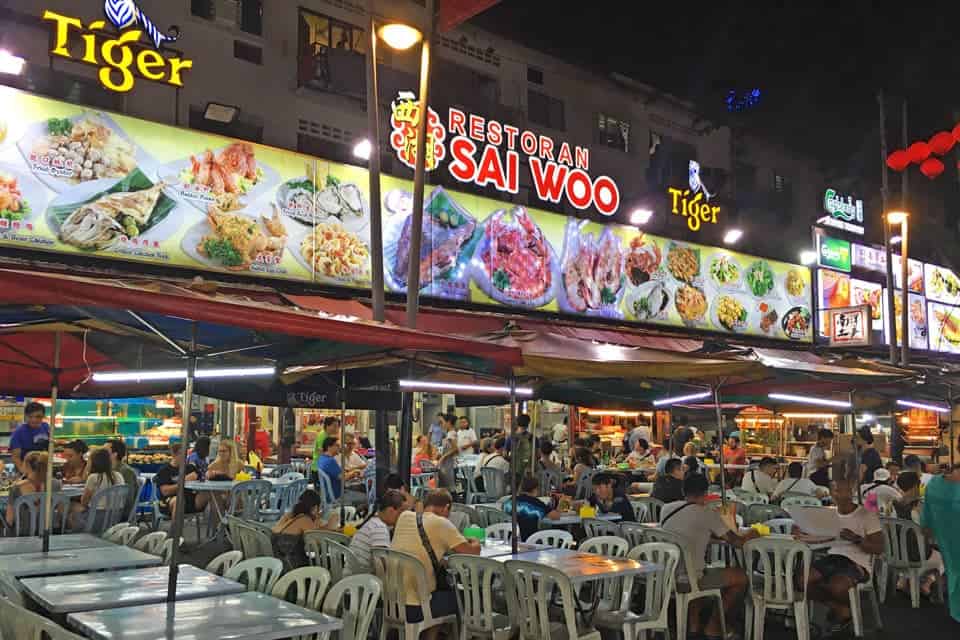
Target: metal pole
[(515, 447), (54, 392), (176, 530), (373, 124), (343, 451), (905, 307), (856, 449), (419, 175), (723, 475), (952, 444), (884, 194)]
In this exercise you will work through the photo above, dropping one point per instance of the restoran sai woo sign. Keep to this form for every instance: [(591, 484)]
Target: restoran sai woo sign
[(487, 152)]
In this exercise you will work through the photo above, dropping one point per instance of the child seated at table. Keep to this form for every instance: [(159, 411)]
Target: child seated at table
[(35, 483)]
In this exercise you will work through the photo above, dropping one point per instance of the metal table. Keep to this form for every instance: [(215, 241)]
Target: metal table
[(492, 549), (71, 491), (571, 519), (131, 587), (76, 561), (68, 542), (244, 616), (584, 567), (226, 485)]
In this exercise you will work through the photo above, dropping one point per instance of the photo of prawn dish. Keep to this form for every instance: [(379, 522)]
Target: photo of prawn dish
[(592, 271), (235, 241), (643, 260), (691, 304), (21, 195), (945, 330), (797, 323), (104, 215), (447, 235), (516, 262), (225, 179), (307, 202), (683, 263), (730, 313), (63, 152)]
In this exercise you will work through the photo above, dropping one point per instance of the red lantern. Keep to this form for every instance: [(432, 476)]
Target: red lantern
[(919, 151), (898, 160), (931, 168), (956, 133), (941, 143)]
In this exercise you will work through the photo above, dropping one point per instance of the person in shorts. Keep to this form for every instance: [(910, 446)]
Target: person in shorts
[(166, 483), (698, 524), (849, 562)]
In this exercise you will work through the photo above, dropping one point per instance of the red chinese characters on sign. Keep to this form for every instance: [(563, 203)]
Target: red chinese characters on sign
[(850, 326), (404, 118)]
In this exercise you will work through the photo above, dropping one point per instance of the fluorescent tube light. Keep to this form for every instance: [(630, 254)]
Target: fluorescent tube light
[(453, 387), (693, 396), (922, 405), (809, 400), (181, 374)]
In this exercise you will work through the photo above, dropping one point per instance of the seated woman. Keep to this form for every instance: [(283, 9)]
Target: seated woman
[(102, 476), (75, 467), (227, 464), (35, 483), (425, 456), (306, 515)]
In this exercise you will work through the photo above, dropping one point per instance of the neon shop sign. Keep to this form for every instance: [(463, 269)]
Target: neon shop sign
[(487, 152), (844, 212), (118, 58), (693, 203)]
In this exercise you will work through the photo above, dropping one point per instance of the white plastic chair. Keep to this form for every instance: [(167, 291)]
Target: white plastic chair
[(151, 543), (556, 538), (339, 560), (112, 534), (613, 546), (491, 515), (780, 526), (763, 512), (633, 532), (654, 613), (17, 623), (258, 574), (293, 475), (494, 482), (460, 520), (253, 539), (224, 562), (107, 507), (533, 588), (898, 535), (304, 587), (800, 501), (856, 611), (687, 586), (647, 509), (748, 498), (502, 532), (779, 567), (354, 601), (594, 527), (469, 512), (477, 579), (167, 549), (391, 567)]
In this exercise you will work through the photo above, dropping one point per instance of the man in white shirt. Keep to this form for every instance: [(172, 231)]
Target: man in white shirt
[(560, 432), (466, 436), (796, 483), (353, 461), (818, 461), (886, 494), (698, 524), (761, 480), (849, 561), (375, 531)]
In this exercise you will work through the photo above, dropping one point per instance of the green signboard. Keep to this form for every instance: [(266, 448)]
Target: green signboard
[(834, 253)]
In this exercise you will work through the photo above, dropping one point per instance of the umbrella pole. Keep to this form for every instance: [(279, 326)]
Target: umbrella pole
[(856, 449), (951, 445), (513, 464), (723, 475), (343, 453), (176, 528), (54, 392)]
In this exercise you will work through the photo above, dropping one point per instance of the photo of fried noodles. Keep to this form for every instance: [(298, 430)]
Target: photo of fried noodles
[(334, 252), (691, 303), (683, 264)]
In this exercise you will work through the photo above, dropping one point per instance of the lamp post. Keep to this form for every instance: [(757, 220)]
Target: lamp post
[(901, 218)]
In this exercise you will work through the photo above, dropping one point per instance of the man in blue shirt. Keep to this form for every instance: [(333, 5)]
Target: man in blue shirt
[(437, 432), (327, 463), (530, 509), (32, 435)]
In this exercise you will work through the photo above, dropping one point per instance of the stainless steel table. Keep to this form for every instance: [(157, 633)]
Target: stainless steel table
[(495, 548), (130, 587), (245, 616), (57, 563), (68, 542), (571, 519), (227, 485), (584, 567)]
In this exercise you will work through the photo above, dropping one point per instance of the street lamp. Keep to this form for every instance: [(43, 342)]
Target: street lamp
[(11, 64), (640, 216), (732, 236), (400, 36), (901, 218)]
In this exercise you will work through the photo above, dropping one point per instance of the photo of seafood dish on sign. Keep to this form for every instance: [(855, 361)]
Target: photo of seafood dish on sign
[(592, 271), (105, 215), (226, 178), (21, 196), (237, 241), (649, 301), (63, 152), (945, 328), (336, 254), (516, 262), (643, 259), (942, 285), (797, 323), (691, 304), (447, 235), (683, 263), (730, 313), (307, 202)]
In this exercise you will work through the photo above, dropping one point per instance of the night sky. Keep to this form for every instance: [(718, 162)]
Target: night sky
[(818, 65)]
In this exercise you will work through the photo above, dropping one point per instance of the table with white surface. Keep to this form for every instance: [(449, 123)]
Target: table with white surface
[(68, 542), (70, 491), (76, 561), (493, 548), (226, 485), (244, 616), (570, 519), (583, 567), (127, 588)]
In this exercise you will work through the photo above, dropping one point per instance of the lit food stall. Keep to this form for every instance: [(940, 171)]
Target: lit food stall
[(761, 432)]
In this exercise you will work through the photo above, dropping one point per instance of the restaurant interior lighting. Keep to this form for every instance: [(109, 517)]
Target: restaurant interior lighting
[(11, 64), (181, 374), (866, 417), (399, 36), (362, 149), (692, 396), (811, 416), (610, 412), (732, 236), (224, 113), (455, 387), (788, 397), (897, 217), (923, 405), (640, 216), (807, 258), (897, 239)]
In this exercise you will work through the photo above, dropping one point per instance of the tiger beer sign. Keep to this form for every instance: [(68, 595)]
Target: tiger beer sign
[(486, 152)]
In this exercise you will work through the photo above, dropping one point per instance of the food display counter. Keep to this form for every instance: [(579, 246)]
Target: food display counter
[(612, 426), (761, 432), (801, 431), (921, 432)]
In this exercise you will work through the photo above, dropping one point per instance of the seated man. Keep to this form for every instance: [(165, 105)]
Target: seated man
[(849, 561), (885, 493), (761, 480), (411, 530), (796, 483), (642, 456), (328, 464), (530, 509), (166, 483), (606, 499), (697, 523), (669, 485)]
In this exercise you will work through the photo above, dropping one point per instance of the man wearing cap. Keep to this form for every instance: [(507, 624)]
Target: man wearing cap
[(886, 494)]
